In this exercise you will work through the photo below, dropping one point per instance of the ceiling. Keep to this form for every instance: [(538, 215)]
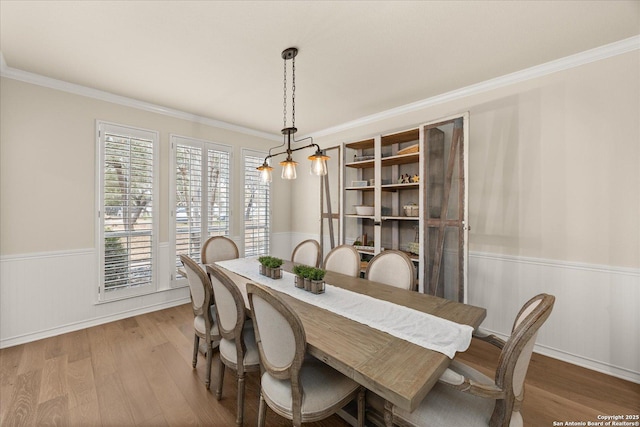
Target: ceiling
[(221, 59)]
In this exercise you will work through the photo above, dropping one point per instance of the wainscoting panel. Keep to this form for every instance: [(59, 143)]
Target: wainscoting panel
[(47, 294), (595, 322)]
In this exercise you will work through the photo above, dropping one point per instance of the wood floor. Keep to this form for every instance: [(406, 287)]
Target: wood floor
[(138, 371)]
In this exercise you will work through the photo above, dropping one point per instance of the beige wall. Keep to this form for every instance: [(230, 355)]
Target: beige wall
[(554, 187), (554, 165), (48, 174)]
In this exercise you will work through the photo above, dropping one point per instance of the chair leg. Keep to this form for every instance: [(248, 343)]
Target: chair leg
[(240, 416), (262, 411), (220, 379), (196, 344), (388, 414), (207, 381), (361, 407)]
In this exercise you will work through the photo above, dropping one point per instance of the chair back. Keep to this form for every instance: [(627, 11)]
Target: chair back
[(230, 312), (343, 259), (516, 354), (392, 268), (218, 248), (308, 253), (279, 334), (200, 288)]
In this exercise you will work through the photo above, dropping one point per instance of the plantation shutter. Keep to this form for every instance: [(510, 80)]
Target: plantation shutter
[(202, 194), (188, 222), (257, 209), (127, 197)]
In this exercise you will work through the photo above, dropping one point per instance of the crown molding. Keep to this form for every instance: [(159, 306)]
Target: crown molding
[(603, 52), (37, 79), (613, 49)]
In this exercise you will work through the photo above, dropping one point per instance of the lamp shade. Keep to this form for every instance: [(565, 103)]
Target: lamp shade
[(318, 164), (288, 169), (265, 172)]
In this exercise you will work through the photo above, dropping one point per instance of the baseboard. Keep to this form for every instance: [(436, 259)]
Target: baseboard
[(583, 362)]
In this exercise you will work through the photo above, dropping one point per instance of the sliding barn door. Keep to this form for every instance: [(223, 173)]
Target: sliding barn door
[(445, 208)]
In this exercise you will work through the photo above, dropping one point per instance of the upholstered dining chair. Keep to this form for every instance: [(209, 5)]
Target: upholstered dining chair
[(302, 389), (203, 312), (343, 259), (392, 268), (465, 397), (308, 253), (238, 349), (218, 248)]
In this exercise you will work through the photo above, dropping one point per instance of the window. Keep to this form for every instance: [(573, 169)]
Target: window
[(201, 195), (127, 219), (257, 207)]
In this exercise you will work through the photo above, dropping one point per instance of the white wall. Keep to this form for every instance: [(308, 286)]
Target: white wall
[(554, 202)]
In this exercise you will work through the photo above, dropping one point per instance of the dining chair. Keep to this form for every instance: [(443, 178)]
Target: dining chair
[(308, 253), (343, 259), (203, 312), (238, 350), (466, 397), (392, 268), (301, 389), (218, 248)]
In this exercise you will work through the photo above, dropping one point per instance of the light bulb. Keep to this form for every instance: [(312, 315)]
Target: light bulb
[(288, 169), (265, 172), (265, 175), (318, 167), (318, 163)]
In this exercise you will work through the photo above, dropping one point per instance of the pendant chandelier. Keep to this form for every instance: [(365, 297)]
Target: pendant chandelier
[(319, 159)]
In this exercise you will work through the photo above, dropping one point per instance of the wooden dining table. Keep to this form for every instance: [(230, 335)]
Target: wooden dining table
[(400, 372)]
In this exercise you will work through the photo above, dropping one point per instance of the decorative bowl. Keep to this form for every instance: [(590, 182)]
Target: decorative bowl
[(364, 210)]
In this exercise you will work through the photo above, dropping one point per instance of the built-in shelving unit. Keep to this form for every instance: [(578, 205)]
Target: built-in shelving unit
[(407, 168)]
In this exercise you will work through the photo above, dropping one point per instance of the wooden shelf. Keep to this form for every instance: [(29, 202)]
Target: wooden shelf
[(361, 145), (366, 188), (358, 216), (360, 165), (399, 218), (396, 187), (396, 138), (401, 160)]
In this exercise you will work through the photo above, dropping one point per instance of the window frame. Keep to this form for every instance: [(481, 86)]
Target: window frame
[(177, 280), (102, 128)]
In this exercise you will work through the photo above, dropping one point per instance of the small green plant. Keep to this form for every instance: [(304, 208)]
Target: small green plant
[(264, 260), (299, 269), (317, 274), (274, 262), (302, 270), (357, 243)]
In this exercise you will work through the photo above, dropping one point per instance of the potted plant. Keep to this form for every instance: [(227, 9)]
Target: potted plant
[(300, 271), (264, 264), (276, 267), (317, 280)]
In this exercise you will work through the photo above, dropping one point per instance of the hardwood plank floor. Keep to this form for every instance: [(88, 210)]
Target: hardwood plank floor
[(137, 371)]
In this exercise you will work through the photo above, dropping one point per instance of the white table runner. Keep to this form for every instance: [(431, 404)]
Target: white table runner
[(423, 329)]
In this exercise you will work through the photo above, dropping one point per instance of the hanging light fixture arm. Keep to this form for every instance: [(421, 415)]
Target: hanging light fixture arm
[(290, 150), (318, 159)]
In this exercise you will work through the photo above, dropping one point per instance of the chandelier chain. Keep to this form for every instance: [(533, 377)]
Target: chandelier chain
[(284, 97), (293, 93)]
